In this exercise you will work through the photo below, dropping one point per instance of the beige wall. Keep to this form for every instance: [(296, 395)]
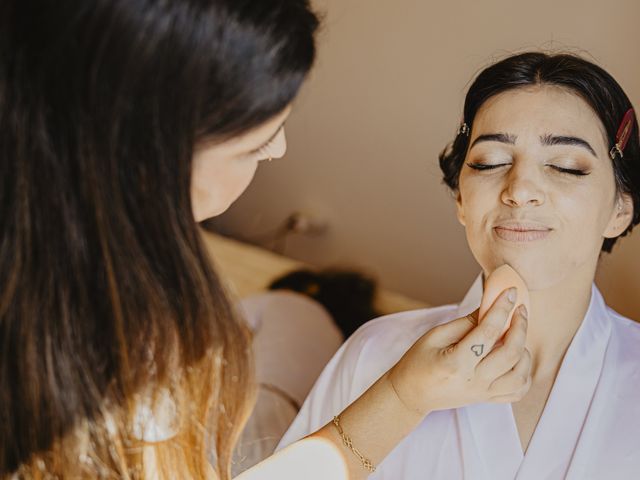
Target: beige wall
[(385, 97)]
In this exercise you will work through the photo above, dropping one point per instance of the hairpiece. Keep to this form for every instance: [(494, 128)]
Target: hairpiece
[(624, 134)]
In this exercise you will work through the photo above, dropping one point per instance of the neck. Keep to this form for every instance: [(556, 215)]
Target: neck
[(556, 314)]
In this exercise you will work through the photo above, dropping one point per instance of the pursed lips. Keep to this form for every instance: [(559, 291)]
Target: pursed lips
[(521, 231)]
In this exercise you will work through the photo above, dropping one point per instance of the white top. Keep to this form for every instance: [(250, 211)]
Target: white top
[(589, 429), (294, 338)]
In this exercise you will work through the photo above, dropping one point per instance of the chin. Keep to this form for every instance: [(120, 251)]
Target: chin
[(538, 274)]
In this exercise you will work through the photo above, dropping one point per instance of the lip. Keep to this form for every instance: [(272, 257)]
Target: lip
[(521, 231)]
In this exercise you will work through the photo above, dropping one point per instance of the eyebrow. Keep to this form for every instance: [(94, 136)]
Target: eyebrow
[(551, 140), (495, 137), (547, 140)]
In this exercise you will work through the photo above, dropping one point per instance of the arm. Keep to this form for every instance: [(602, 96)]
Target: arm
[(445, 368)]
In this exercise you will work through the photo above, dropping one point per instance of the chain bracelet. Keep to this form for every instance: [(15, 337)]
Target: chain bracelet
[(346, 440)]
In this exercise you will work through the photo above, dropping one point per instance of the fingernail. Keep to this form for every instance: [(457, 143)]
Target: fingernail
[(512, 294), (523, 312)]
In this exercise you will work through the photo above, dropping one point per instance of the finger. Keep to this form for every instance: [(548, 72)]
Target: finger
[(504, 357), (479, 342), (452, 332), (515, 380), (516, 397)]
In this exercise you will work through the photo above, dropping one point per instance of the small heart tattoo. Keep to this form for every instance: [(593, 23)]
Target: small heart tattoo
[(477, 349)]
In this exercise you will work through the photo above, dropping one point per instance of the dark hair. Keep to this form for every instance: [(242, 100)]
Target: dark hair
[(349, 296), (593, 84), (106, 290)]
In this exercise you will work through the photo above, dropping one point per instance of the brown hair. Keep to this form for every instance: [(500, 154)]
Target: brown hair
[(108, 302)]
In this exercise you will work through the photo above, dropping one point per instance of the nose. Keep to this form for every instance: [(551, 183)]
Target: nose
[(522, 188)]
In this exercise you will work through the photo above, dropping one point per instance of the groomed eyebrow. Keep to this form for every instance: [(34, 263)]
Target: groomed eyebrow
[(546, 140), (551, 140), (495, 137)]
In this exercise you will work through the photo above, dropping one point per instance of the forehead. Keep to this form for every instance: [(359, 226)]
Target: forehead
[(540, 110)]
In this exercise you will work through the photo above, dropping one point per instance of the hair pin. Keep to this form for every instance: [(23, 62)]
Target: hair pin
[(464, 129), (624, 134)]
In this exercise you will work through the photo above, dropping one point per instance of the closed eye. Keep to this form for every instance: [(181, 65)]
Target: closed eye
[(261, 149), (570, 171), (482, 166), (265, 146)]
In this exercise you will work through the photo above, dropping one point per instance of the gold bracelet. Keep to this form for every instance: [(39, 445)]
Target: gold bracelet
[(346, 439)]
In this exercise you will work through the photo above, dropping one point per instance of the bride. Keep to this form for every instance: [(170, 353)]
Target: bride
[(546, 172)]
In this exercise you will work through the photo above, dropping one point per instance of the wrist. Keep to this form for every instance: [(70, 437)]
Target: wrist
[(412, 407)]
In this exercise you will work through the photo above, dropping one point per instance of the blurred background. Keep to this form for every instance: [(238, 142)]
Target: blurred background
[(360, 185)]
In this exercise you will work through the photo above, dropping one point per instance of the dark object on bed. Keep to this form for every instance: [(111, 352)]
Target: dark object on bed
[(347, 295)]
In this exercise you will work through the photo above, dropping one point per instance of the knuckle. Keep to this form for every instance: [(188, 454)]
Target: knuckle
[(512, 353), (435, 331), (523, 391), (519, 395), (527, 355), (521, 383), (450, 365), (523, 380), (491, 330), (450, 352)]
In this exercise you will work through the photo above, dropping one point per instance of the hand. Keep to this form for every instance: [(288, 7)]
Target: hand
[(456, 364)]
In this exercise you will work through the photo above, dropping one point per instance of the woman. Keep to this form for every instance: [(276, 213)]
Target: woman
[(122, 123), (546, 171)]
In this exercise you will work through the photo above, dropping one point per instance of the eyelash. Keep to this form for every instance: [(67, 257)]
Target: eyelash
[(261, 149), (568, 171)]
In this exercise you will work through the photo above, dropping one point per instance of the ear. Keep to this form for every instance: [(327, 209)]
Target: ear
[(460, 209), (621, 216)]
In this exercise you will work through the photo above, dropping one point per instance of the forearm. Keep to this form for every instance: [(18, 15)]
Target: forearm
[(376, 422)]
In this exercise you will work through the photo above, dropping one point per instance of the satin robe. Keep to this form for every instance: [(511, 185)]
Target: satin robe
[(589, 428)]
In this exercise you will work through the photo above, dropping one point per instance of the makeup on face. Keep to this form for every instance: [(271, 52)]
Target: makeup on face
[(537, 189)]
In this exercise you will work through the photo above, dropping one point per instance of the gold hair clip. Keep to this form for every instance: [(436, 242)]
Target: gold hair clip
[(615, 149)]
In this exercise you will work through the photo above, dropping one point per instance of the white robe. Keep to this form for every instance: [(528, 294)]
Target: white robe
[(589, 429)]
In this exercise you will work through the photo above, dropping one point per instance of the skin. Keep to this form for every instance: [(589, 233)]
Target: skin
[(443, 369), (222, 171), (525, 211), (521, 208)]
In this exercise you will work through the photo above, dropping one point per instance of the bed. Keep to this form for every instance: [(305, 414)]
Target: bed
[(248, 269)]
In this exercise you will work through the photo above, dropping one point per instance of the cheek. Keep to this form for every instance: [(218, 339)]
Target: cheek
[(476, 205), (216, 185), (477, 199), (586, 213)]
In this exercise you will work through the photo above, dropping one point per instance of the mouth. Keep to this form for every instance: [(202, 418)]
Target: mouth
[(521, 231)]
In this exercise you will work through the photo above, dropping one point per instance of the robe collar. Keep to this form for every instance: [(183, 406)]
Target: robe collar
[(489, 437)]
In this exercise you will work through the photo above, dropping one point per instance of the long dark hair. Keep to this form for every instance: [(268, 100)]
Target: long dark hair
[(589, 81), (107, 296)]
